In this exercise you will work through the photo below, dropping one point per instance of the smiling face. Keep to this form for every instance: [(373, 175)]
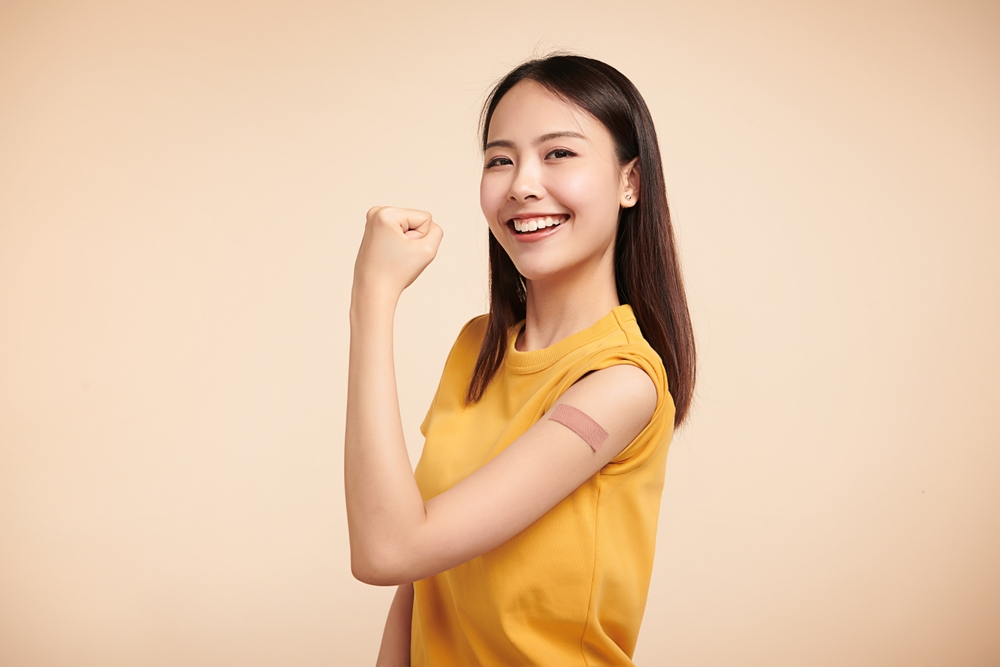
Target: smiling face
[(552, 185)]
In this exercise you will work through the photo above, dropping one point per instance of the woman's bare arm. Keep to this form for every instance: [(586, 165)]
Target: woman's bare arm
[(395, 648), (382, 494), (395, 536)]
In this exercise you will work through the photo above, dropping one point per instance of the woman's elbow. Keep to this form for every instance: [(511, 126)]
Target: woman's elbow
[(383, 568)]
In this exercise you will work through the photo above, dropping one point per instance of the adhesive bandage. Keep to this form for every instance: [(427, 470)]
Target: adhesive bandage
[(578, 422)]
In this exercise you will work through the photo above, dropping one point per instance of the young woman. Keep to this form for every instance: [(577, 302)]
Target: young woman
[(526, 534)]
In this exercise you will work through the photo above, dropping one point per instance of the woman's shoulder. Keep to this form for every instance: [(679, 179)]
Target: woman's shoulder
[(628, 346), (465, 349), (472, 333), (474, 330)]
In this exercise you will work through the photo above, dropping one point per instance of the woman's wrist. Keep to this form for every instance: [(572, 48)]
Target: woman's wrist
[(372, 301)]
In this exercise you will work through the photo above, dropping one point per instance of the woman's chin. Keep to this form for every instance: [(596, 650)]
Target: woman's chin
[(538, 275)]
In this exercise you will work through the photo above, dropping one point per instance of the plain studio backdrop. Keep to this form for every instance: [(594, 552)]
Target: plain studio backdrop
[(182, 193)]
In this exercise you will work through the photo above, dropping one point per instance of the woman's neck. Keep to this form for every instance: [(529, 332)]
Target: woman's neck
[(556, 309)]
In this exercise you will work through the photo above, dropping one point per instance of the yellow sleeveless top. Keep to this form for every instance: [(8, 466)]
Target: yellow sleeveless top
[(571, 588)]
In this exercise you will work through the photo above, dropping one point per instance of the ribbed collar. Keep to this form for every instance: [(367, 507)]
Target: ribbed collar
[(536, 360)]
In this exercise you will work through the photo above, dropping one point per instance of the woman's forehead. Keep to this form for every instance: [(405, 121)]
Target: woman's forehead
[(530, 110)]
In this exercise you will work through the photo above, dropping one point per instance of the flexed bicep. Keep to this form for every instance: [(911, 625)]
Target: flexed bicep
[(534, 473)]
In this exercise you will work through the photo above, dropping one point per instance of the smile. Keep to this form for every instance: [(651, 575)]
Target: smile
[(529, 225)]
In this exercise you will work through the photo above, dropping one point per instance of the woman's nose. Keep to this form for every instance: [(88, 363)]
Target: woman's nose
[(526, 184)]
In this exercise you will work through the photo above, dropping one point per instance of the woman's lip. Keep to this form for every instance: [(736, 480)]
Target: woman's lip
[(537, 216), (528, 237)]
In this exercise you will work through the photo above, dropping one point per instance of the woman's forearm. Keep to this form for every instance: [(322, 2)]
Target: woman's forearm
[(395, 648), (383, 501)]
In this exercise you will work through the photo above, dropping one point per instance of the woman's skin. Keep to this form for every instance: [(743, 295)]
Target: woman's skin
[(544, 157), (395, 648)]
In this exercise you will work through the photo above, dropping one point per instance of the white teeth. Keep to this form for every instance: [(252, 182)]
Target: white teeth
[(533, 224)]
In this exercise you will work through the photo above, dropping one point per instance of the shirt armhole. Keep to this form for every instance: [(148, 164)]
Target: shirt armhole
[(425, 424), (660, 427)]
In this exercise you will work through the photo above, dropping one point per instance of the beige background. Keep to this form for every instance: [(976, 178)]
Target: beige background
[(182, 190)]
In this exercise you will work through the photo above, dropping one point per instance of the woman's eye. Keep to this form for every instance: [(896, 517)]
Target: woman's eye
[(560, 153), (498, 162)]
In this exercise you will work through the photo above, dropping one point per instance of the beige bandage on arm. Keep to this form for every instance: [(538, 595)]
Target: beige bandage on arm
[(578, 422)]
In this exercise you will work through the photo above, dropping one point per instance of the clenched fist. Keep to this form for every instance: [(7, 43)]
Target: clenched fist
[(397, 246)]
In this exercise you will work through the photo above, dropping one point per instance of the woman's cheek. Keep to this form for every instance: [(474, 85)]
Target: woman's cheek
[(490, 197), (580, 190)]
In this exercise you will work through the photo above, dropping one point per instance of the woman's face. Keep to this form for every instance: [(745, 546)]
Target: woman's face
[(552, 185)]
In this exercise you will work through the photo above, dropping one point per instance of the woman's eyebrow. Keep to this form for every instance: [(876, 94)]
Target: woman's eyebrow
[(556, 135), (504, 143)]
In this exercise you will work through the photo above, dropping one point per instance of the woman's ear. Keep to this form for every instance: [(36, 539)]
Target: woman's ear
[(630, 184)]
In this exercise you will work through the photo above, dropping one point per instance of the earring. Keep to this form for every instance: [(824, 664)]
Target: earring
[(628, 196)]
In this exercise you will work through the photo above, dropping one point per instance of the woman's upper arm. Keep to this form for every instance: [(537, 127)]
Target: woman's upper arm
[(543, 466)]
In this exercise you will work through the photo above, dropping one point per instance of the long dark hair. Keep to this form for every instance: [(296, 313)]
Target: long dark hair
[(647, 273)]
